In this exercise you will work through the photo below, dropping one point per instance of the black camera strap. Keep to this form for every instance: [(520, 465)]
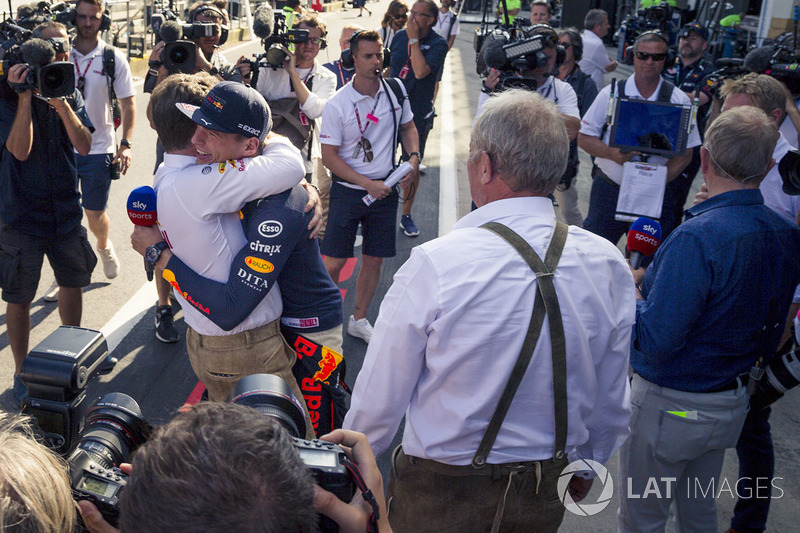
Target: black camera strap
[(546, 303), (110, 72)]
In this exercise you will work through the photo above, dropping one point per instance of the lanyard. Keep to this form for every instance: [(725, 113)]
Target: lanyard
[(371, 114), (84, 70), (551, 88), (341, 73)]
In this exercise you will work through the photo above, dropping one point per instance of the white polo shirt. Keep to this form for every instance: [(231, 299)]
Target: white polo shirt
[(595, 58), (197, 215), (95, 92), (443, 24), (340, 127), (595, 118)]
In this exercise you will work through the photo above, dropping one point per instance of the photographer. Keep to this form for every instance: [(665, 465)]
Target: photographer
[(34, 490), (299, 89), (39, 199), (222, 467), (208, 57), (547, 85), (93, 60)]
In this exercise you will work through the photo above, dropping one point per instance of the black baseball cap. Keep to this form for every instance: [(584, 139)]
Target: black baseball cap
[(232, 107), (702, 31)]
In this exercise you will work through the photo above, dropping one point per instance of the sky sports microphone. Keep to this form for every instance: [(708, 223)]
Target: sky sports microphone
[(644, 237), (142, 212)]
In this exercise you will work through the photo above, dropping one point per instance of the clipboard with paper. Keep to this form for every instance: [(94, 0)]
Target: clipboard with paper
[(641, 193)]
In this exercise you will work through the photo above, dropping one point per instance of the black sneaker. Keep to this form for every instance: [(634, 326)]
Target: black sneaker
[(165, 326)]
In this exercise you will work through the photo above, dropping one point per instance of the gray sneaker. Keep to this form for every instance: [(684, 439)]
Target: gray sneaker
[(110, 261)]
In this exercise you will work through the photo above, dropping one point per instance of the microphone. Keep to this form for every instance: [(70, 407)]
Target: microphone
[(170, 31), (263, 21), (644, 237), (493, 55), (142, 212), (38, 52), (377, 73), (759, 59)]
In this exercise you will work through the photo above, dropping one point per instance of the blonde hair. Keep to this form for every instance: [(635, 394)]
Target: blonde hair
[(35, 494)]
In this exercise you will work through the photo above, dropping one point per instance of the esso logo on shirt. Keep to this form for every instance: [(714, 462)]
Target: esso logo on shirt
[(270, 228)]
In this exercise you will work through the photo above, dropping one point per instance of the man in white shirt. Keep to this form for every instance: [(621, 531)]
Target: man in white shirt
[(361, 127), (650, 53), (197, 217), (95, 81), (297, 93), (595, 61), (447, 24), (452, 327)]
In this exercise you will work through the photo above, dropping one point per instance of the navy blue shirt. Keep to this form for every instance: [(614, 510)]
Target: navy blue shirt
[(39, 196), (420, 92), (691, 78), (343, 75), (716, 294), (311, 300)]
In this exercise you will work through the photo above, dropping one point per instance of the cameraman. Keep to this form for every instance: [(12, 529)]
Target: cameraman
[(221, 467), (547, 85), (301, 88), (209, 59), (39, 199)]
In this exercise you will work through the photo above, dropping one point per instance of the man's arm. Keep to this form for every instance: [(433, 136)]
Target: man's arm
[(254, 269), (676, 164), (385, 384), (594, 146), (612, 65), (410, 139), (79, 135), (20, 138), (128, 106)]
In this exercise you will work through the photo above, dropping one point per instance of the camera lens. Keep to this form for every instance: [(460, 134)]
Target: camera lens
[(56, 79), (114, 429), (275, 55), (270, 395), (179, 54)]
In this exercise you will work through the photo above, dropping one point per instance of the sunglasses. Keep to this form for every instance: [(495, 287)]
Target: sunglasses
[(400, 17), (644, 56), (315, 40)]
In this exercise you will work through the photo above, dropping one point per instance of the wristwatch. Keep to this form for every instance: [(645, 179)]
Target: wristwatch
[(419, 156), (126, 142), (412, 41), (154, 252)]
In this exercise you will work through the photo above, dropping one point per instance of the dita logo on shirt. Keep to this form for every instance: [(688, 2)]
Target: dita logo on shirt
[(265, 248), (270, 228), (252, 281)]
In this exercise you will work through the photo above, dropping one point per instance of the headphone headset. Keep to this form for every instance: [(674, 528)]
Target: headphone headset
[(223, 28), (551, 37), (347, 60), (105, 20), (577, 43), (669, 59)]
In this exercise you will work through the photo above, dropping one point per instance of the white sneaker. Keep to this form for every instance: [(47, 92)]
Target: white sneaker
[(423, 169), (52, 293), (110, 261), (360, 328)]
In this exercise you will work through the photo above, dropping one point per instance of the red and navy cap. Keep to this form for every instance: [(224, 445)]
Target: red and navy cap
[(232, 107), (702, 31)]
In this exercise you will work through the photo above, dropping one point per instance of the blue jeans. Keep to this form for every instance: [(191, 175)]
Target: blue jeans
[(756, 460)]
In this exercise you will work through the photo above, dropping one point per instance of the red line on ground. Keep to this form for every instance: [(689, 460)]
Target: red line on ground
[(194, 397)]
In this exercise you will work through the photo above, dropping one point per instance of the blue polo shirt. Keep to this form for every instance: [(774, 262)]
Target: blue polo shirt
[(343, 75), (716, 294), (39, 196), (420, 92)]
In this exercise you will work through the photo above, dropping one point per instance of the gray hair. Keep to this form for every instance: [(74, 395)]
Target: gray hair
[(526, 139), (741, 130), (595, 17), (651, 36)]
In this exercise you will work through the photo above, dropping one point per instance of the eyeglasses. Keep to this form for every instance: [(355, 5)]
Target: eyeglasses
[(315, 40), (644, 56), (565, 44), (420, 14)]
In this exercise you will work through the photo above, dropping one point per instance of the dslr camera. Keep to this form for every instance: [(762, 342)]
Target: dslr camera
[(273, 38)]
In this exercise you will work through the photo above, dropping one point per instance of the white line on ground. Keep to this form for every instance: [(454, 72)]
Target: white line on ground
[(129, 314), (448, 184)]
